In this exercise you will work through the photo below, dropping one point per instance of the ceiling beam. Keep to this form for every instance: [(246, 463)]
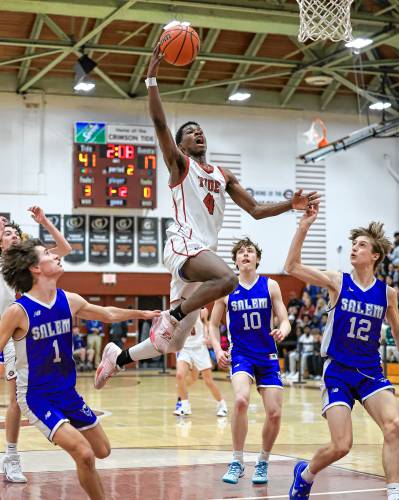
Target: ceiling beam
[(105, 22), (329, 93), (291, 87), (34, 35), (63, 36), (198, 64), (29, 57), (141, 64)]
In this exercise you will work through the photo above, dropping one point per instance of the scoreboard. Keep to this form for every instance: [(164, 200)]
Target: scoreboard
[(114, 175)]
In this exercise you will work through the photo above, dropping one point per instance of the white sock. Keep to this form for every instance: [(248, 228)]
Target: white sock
[(143, 350), (393, 491), (239, 456), (307, 475), (264, 456), (11, 449)]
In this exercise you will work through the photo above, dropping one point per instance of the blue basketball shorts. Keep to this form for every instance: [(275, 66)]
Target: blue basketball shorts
[(343, 385), (48, 411), (265, 373)]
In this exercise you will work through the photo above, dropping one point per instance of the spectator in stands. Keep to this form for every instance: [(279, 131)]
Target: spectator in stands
[(313, 292), (303, 351), (307, 308), (393, 273), (315, 361), (321, 307), (95, 333), (388, 345), (83, 356), (323, 322), (293, 301), (118, 333), (394, 255)]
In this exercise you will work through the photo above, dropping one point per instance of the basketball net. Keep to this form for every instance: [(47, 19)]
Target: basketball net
[(316, 136), (324, 20)]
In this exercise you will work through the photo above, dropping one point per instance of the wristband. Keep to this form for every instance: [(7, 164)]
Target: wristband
[(151, 82)]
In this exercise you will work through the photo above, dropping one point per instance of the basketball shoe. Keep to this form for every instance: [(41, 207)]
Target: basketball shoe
[(12, 469), (260, 474), (234, 472), (107, 367), (221, 409), (300, 488), (162, 329), (184, 408)]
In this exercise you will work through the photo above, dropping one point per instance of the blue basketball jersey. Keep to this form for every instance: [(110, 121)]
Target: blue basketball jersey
[(44, 356), (353, 330), (249, 320)]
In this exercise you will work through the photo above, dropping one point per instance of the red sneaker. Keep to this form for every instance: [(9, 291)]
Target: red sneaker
[(107, 368), (162, 330)]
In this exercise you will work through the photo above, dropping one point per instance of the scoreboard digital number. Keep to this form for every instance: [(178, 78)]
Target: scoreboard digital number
[(114, 176)]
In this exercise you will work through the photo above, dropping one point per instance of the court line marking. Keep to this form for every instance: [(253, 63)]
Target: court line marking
[(346, 492)]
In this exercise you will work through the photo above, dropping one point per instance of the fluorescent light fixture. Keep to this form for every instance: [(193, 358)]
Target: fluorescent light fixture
[(380, 105), (358, 43), (175, 22), (84, 86), (239, 96)]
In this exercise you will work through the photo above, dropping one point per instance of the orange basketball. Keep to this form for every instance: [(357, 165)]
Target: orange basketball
[(179, 45)]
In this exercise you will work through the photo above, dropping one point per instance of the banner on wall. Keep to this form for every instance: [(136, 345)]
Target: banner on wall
[(270, 195), (44, 236), (75, 234), (147, 240), (165, 223), (99, 238), (123, 240)]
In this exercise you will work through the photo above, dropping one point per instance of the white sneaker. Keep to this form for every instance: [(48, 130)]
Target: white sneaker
[(107, 368), (221, 409), (162, 330), (185, 408), (12, 469)]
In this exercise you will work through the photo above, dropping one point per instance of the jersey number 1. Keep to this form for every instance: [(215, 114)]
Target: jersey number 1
[(57, 358)]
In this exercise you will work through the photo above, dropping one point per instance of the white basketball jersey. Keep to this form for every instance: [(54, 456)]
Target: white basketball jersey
[(196, 337), (7, 295), (198, 204)]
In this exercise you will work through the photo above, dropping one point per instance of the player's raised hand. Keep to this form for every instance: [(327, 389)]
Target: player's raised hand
[(302, 201), (148, 314), (155, 60), (37, 214), (309, 217), (277, 334), (223, 359)]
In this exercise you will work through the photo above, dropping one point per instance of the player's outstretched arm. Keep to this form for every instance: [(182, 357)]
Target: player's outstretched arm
[(84, 310), (393, 314), (240, 196), (309, 274), (11, 322), (62, 247), (174, 158), (222, 357), (284, 326)]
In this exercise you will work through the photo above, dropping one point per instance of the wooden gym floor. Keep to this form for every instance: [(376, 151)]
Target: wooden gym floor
[(156, 455)]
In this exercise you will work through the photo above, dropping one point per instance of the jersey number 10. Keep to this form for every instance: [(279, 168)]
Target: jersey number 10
[(252, 321)]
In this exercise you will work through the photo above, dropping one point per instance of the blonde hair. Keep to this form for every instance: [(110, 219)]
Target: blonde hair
[(375, 233)]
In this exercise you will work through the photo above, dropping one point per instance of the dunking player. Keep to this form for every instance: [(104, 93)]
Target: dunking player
[(195, 355), (10, 234), (250, 312), (352, 370), (40, 322), (198, 195)]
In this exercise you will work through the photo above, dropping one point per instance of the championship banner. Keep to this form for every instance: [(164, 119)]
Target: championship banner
[(75, 234), (147, 240), (44, 236), (165, 223), (99, 237), (123, 240)]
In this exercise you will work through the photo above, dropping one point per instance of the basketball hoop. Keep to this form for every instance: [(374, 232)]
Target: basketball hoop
[(325, 20), (317, 134)]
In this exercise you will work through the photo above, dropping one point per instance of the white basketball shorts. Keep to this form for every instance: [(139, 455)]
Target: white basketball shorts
[(197, 357)]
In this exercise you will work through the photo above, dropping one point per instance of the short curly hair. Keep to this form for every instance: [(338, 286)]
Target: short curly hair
[(376, 234), (245, 242), (179, 133), (13, 225), (15, 264)]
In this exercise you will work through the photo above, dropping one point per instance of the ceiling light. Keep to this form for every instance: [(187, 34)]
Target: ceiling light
[(239, 96), (176, 23), (380, 105), (84, 85), (83, 67), (358, 43), (318, 80)]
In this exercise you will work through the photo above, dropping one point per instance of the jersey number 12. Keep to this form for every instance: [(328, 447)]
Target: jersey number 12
[(364, 326)]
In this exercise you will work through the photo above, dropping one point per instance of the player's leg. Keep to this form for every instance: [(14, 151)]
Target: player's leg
[(384, 410), (98, 441), (182, 370), (80, 449), (241, 382), (97, 347), (221, 407)]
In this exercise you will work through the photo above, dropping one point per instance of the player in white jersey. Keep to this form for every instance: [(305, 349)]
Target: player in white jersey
[(195, 356), (352, 370), (10, 234), (198, 194), (40, 322)]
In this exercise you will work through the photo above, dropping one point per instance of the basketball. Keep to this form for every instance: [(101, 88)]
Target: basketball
[(179, 45)]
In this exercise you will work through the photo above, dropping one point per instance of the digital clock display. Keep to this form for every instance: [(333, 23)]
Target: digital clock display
[(114, 175)]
